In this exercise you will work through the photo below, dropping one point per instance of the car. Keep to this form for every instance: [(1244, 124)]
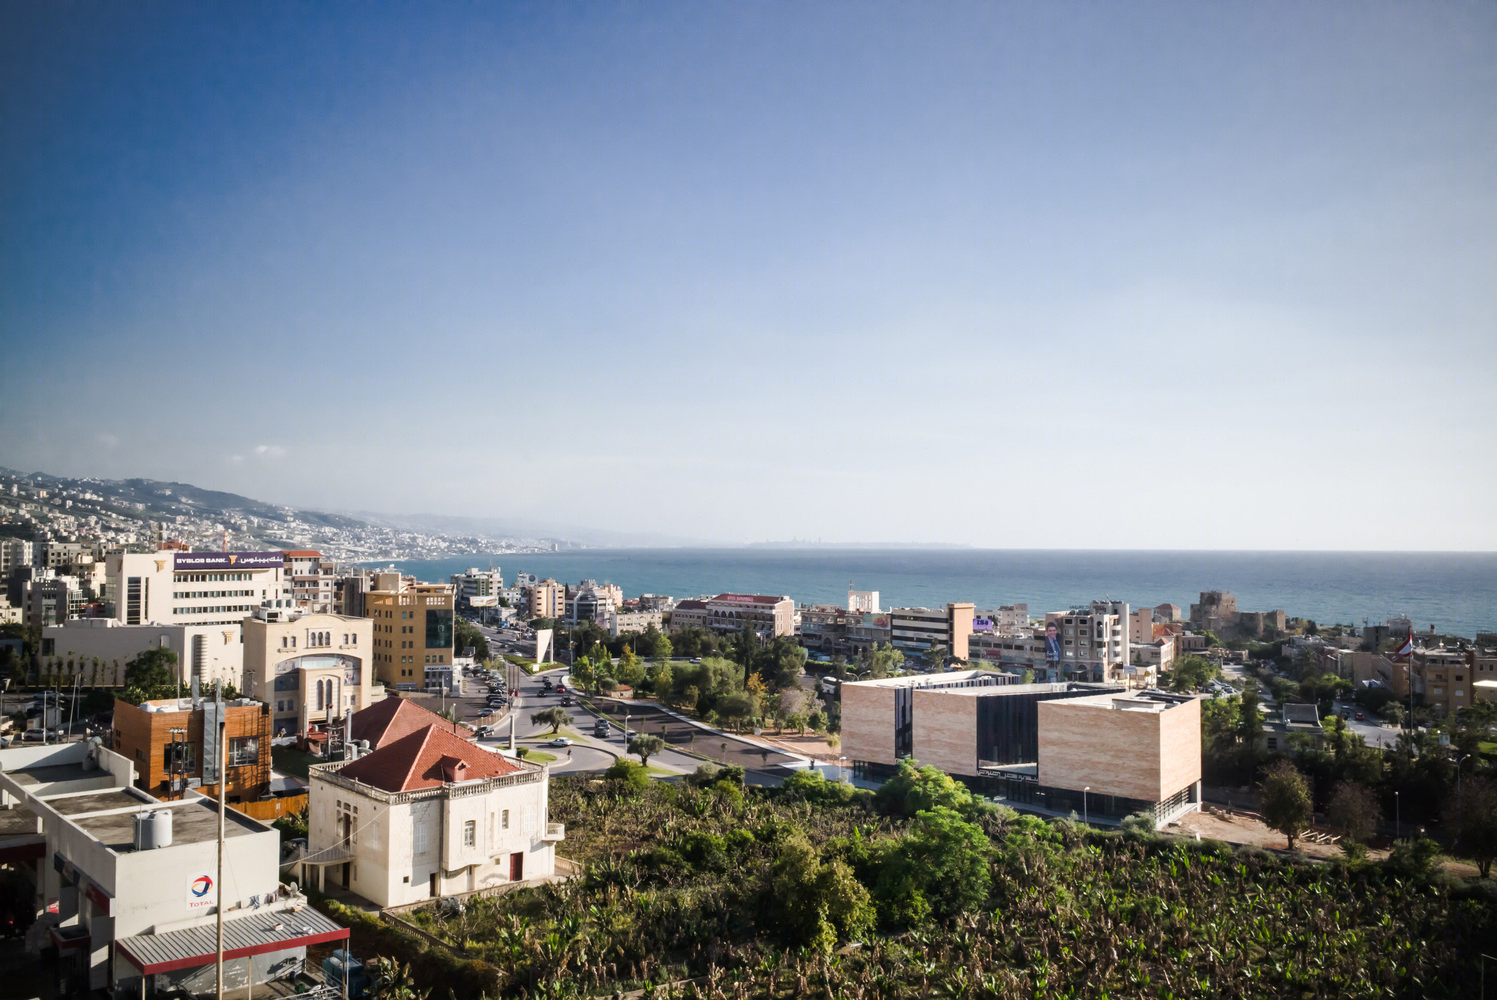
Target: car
[(562, 686), (629, 734), (36, 736), (1361, 716), (566, 701), (485, 731), (560, 741), (600, 728)]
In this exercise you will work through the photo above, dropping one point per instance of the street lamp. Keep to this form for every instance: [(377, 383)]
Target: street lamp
[(1458, 775), (1086, 814)]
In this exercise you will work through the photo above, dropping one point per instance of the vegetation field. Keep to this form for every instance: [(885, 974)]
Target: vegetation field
[(814, 890)]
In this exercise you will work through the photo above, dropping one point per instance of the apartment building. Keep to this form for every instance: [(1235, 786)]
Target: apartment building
[(412, 630), (478, 588), (426, 815), (309, 668), (767, 615), (620, 622), (14, 552), (545, 599), (862, 601), (1051, 747), (313, 581), (1092, 643), (916, 630), (592, 602)]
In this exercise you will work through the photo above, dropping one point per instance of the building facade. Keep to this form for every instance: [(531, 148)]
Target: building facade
[(412, 630), (916, 630), (164, 740), (309, 669), (100, 649), (427, 815)]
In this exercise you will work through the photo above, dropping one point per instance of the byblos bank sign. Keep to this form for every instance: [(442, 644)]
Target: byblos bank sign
[(229, 560)]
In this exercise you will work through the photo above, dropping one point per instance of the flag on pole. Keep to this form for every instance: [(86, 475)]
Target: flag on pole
[(1407, 649)]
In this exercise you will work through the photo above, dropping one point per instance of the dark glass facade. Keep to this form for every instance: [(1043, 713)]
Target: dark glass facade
[(439, 628)]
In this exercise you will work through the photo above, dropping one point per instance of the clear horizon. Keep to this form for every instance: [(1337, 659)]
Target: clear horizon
[(1141, 277)]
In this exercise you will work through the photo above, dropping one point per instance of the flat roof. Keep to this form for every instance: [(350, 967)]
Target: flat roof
[(108, 817), (927, 680), (17, 821), (50, 774)]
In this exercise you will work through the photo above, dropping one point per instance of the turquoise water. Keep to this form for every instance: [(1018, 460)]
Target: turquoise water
[(1456, 592)]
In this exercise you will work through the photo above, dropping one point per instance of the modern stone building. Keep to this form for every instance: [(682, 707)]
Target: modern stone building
[(1054, 747)]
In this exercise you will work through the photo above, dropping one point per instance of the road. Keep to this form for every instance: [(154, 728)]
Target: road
[(594, 754)]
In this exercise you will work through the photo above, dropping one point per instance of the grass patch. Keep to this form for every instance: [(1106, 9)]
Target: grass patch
[(289, 760), (539, 756)]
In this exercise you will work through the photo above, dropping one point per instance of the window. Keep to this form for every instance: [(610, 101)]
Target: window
[(504, 819), (243, 751), (470, 834)]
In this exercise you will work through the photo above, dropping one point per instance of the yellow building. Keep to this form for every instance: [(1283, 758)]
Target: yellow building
[(412, 630)]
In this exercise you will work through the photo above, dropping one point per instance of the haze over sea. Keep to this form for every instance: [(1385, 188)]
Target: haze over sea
[(1454, 591)]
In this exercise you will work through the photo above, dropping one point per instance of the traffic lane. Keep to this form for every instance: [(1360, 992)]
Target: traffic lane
[(721, 747)]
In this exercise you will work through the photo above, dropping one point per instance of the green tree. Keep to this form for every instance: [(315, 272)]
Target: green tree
[(915, 789), (945, 859), (883, 661), (1471, 814), (646, 747), (151, 675), (629, 670), (1284, 800), (553, 717), (935, 656), (1190, 673), (628, 774), (465, 634), (1354, 811)]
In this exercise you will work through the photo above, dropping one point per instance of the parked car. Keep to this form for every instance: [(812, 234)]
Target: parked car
[(629, 734), (1361, 716), (37, 736)]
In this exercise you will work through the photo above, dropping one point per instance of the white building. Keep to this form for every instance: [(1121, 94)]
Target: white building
[(309, 668), (862, 601), (1093, 641), (193, 588), (620, 622), (478, 588), (428, 815), (126, 885), (100, 648)]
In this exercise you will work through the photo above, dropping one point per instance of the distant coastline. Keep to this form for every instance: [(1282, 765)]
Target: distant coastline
[(1455, 592)]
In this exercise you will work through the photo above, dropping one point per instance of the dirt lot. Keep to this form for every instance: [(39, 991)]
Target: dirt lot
[(1242, 828)]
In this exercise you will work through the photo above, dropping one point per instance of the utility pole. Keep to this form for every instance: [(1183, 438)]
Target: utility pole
[(223, 782)]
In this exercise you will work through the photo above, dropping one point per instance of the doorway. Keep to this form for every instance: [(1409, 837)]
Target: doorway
[(517, 866)]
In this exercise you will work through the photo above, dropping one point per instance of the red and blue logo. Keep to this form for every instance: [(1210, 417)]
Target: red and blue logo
[(202, 886)]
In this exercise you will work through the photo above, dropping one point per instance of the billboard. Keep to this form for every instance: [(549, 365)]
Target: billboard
[(484, 601), (228, 560), (982, 624), (1052, 640)]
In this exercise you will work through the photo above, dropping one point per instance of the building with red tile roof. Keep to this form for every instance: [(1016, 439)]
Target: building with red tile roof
[(428, 814), (386, 721)]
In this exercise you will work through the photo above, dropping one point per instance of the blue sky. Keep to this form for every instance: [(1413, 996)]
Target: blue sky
[(1055, 275)]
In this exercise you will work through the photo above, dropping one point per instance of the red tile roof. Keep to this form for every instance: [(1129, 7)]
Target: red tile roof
[(387, 721), (690, 605), (304, 554), (427, 758)]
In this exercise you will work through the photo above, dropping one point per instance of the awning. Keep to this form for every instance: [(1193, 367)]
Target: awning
[(252, 934)]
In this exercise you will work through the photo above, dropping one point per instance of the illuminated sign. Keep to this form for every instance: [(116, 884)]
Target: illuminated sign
[(982, 624), (229, 560)]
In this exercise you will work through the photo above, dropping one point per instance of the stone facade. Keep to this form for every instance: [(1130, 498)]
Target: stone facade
[(1148, 752)]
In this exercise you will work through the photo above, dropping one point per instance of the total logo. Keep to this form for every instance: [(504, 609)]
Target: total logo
[(200, 892)]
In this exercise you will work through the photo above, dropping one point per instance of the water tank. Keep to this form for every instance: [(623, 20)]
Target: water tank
[(153, 830)]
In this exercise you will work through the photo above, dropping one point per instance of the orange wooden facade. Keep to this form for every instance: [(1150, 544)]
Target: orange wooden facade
[(142, 737)]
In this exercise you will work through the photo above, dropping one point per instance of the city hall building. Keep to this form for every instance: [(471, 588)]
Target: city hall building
[(1096, 749)]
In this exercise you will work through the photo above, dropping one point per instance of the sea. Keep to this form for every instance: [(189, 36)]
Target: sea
[(1456, 593)]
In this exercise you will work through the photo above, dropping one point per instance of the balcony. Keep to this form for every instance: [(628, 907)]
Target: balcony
[(554, 832)]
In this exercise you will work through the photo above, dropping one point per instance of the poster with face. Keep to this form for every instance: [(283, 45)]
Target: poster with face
[(1052, 642)]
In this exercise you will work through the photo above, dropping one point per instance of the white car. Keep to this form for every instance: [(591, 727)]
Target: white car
[(561, 741)]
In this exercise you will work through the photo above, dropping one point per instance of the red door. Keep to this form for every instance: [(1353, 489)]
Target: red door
[(516, 867)]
